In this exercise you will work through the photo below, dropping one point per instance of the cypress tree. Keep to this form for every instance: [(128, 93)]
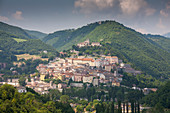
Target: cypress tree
[(127, 107), (123, 107), (135, 107), (138, 107), (119, 107), (132, 107), (111, 109)]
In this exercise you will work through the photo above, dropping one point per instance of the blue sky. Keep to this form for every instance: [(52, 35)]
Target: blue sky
[(146, 16)]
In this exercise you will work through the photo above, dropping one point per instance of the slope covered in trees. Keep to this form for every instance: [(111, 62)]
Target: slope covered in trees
[(63, 40), (32, 46), (161, 96), (119, 40), (36, 34), (15, 30), (160, 41), (13, 102)]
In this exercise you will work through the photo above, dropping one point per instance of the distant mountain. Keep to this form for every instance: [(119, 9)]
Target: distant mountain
[(160, 41), (167, 35), (36, 34), (15, 31), (149, 56)]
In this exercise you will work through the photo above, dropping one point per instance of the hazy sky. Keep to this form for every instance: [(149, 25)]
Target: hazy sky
[(146, 16)]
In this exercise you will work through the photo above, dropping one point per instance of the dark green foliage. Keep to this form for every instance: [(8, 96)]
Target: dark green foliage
[(11, 101), (31, 46), (161, 96), (132, 106), (119, 107), (160, 41), (22, 81)]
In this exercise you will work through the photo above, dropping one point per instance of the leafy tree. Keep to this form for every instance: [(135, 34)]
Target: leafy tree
[(22, 81), (64, 98)]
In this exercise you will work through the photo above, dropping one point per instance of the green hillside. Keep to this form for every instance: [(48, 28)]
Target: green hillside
[(36, 34), (13, 44), (63, 40), (160, 41), (133, 46), (15, 30)]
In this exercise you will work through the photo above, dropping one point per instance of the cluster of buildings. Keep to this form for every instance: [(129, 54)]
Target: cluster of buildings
[(82, 70), (87, 43)]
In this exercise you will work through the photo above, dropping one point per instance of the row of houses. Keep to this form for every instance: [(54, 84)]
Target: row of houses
[(87, 43)]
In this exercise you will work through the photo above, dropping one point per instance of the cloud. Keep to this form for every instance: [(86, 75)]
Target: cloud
[(141, 30), (150, 11), (3, 18), (160, 24), (131, 7), (18, 15), (87, 6), (164, 13)]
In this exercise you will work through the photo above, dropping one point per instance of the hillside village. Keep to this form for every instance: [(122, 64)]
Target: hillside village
[(80, 70)]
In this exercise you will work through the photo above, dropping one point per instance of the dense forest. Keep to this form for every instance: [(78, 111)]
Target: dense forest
[(12, 101)]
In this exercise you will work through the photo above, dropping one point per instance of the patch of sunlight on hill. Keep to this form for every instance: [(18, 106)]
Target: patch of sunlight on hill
[(19, 40)]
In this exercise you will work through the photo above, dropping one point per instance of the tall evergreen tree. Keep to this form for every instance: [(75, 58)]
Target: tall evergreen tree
[(127, 107), (119, 107), (123, 107), (132, 107), (111, 109), (138, 105)]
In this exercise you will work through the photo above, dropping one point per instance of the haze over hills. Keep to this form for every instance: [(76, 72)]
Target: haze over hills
[(167, 35), (36, 34), (149, 55)]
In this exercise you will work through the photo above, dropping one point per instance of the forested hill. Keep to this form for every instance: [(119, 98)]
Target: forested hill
[(14, 44), (36, 34), (15, 30), (15, 40), (134, 46), (160, 41)]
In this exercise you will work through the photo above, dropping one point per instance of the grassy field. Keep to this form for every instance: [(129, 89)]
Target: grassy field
[(27, 56), (19, 40)]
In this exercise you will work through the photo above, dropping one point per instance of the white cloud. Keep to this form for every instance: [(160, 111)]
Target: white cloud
[(160, 24), (18, 15), (164, 13), (87, 6), (3, 18), (131, 7)]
